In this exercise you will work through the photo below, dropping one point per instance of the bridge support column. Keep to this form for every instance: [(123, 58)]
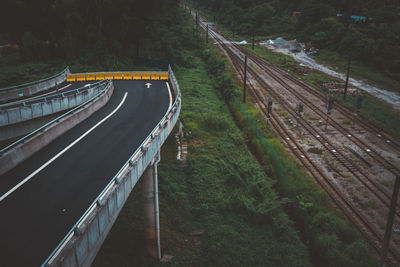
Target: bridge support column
[(151, 209)]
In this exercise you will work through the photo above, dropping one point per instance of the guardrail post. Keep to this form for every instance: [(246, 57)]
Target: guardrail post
[(150, 210)]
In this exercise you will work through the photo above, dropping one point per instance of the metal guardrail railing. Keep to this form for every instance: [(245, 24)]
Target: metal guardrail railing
[(66, 70), (23, 139), (49, 97), (75, 230)]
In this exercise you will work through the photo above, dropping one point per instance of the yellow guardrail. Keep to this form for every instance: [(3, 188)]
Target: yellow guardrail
[(98, 76), (164, 76), (155, 76), (109, 76), (127, 76), (137, 76), (90, 77), (71, 77), (118, 75), (80, 77), (145, 76)]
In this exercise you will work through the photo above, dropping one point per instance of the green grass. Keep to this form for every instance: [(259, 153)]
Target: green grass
[(330, 240), (221, 190), (373, 110)]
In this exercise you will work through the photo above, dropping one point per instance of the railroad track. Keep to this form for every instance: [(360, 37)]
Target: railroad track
[(372, 153), (369, 150), (350, 114), (383, 195), (380, 193), (367, 229)]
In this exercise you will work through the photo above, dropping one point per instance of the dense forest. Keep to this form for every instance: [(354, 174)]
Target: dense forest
[(94, 31), (371, 35)]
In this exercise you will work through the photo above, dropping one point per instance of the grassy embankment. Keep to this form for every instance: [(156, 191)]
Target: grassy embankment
[(331, 241), (222, 191)]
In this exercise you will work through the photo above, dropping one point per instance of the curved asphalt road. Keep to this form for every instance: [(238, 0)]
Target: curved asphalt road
[(36, 216)]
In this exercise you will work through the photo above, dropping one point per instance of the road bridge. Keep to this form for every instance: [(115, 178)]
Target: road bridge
[(54, 202)]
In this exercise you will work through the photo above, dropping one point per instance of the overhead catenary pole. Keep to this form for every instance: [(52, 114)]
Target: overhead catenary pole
[(389, 225), (347, 78), (244, 79), (207, 35)]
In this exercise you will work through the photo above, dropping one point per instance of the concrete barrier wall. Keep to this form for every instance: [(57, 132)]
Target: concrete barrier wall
[(15, 92), (46, 107), (20, 129), (80, 246), (25, 149)]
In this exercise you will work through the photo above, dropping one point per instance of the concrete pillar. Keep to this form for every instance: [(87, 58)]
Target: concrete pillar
[(151, 211)]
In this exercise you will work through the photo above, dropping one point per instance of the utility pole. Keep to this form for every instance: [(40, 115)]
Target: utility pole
[(252, 43), (207, 35), (330, 107), (389, 224), (269, 109), (244, 79), (300, 109), (358, 102), (347, 78)]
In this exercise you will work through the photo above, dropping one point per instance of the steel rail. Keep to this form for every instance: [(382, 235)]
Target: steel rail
[(383, 194)]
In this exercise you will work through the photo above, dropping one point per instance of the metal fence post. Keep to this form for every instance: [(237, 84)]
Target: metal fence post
[(389, 224), (244, 79)]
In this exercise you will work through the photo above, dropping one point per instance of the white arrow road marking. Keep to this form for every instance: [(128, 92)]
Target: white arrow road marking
[(63, 151), (148, 85)]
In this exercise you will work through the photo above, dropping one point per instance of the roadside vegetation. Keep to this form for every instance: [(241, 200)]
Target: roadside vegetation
[(330, 240), (225, 193), (220, 192)]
